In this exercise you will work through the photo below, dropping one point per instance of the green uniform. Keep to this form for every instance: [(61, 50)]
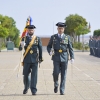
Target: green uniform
[(31, 63), (60, 57)]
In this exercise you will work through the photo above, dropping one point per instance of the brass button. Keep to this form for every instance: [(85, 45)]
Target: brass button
[(31, 51)]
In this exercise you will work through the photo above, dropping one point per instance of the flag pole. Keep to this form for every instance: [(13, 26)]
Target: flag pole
[(28, 22)]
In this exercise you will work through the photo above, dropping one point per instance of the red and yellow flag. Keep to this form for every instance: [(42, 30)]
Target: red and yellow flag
[(25, 30), (28, 22)]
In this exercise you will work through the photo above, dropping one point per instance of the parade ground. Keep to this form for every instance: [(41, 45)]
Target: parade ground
[(82, 82)]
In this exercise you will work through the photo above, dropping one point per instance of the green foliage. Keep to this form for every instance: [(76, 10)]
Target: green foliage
[(8, 29), (79, 46), (86, 47), (81, 30), (96, 32), (2, 43), (3, 31), (16, 39), (74, 22)]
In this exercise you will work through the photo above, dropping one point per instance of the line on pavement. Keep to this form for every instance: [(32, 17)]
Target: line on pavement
[(16, 67), (86, 75), (11, 69)]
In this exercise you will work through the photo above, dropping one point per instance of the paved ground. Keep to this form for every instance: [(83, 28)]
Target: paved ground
[(83, 78)]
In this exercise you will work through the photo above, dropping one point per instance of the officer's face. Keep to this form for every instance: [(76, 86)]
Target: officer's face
[(60, 30), (30, 31)]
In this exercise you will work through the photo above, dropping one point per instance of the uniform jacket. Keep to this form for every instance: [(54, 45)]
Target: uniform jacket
[(36, 47), (64, 44)]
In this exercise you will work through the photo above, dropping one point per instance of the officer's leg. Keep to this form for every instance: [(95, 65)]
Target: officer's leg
[(93, 51), (34, 77), (63, 76), (90, 51), (98, 52), (26, 81), (56, 71), (26, 77)]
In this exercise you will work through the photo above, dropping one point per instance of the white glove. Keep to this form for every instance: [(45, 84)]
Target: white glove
[(72, 61), (23, 43), (51, 53)]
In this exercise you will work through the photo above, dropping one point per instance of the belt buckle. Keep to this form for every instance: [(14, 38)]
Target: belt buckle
[(60, 50), (31, 51)]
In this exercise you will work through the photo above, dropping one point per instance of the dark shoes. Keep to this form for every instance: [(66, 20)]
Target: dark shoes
[(25, 91), (33, 93), (56, 89), (61, 93)]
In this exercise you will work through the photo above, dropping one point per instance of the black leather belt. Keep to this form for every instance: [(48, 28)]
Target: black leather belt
[(60, 51)]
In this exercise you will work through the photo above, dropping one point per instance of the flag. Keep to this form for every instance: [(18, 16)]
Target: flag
[(24, 33), (28, 22)]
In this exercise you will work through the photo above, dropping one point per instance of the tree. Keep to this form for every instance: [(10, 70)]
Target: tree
[(3, 32), (81, 30), (16, 38), (96, 32), (8, 29), (73, 23)]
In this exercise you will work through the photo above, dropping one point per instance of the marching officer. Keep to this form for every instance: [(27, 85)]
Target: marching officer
[(60, 42), (99, 46), (30, 61), (93, 46), (90, 45)]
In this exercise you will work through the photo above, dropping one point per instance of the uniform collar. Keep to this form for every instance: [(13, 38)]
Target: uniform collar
[(30, 36), (61, 35)]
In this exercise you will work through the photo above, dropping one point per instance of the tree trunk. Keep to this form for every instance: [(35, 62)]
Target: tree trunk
[(1, 42), (75, 38), (78, 38)]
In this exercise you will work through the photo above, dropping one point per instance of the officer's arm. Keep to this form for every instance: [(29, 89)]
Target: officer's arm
[(89, 43), (21, 44), (40, 49), (26, 43), (49, 46), (70, 49)]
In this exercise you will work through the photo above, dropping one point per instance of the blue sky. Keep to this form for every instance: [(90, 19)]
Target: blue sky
[(45, 12)]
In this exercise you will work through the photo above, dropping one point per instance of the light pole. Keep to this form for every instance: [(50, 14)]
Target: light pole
[(83, 42), (83, 38)]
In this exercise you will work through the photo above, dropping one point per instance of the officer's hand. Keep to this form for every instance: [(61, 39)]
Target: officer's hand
[(23, 43), (40, 60), (51, 53), (72, 61)]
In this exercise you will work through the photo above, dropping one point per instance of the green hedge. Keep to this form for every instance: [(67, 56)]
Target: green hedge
[(79, 46), (96, 32)]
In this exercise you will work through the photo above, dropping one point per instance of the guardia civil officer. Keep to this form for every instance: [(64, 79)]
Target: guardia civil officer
[(31, 60), (60, 43)]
